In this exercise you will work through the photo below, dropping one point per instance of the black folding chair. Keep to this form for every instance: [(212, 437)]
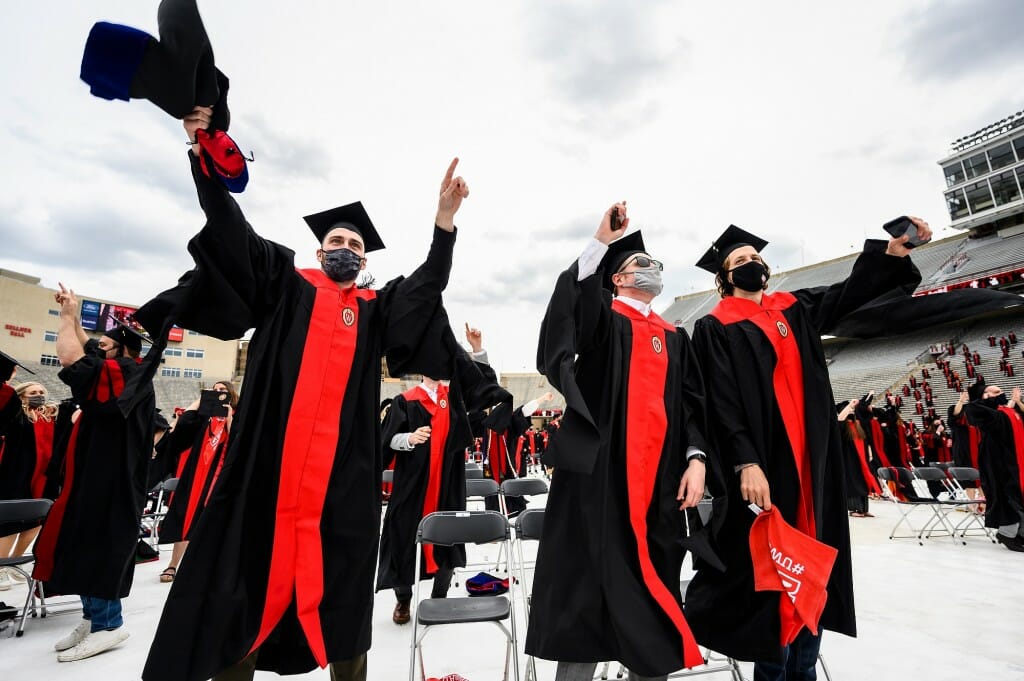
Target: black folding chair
[(528, 527), (906, 507), (20, 515), (945, 502), (474, 472), (961, 479), (478, 489), (450, 528), (521, 487)]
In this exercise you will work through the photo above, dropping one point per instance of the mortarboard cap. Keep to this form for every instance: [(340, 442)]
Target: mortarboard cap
[(176, 72), (975, 391), (7, 364), (126, 335), (350, 216), (842, 405), (732, 238), (618, 252)]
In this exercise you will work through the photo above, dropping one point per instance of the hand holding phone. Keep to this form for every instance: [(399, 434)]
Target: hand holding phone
[(904, 226), (213, 403)]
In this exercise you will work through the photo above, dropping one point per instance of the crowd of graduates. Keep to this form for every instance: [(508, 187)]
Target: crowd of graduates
[(981, 430), (280, 543)]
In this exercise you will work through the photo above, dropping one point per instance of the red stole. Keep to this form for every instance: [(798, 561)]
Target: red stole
[(43, 431), (878, 440), (216, 427), (646, 424), (307, 458), (1018, 441), (497, 455), (901, 437), (440, 419), (862, 459), (787, 379)]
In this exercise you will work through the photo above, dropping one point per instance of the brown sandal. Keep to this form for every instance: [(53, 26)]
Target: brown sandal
[(168, 574)]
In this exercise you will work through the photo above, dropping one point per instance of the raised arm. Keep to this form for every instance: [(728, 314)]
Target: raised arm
[(578, 318), (70, 335), (881, 268), (417, 337)]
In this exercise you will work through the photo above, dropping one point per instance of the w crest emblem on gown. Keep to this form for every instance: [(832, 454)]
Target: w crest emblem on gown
[(782, 329), (656, 344), (443, 403), (348, 316)]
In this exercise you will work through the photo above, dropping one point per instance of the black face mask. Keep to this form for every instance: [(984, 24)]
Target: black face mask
[(341, 264), (92, 347), (1000, 400), (750, 276)]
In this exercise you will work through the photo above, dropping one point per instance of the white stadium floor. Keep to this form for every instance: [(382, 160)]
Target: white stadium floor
[(936, 612)]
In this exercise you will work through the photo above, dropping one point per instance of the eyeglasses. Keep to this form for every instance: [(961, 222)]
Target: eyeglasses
[(643, 262)]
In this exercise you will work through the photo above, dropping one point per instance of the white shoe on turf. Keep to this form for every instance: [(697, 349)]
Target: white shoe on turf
[(5, 579), (75, 637), (94, 644), (16, 576)]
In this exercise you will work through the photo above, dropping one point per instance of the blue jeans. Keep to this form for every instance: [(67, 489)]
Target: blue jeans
[(799, 661), (103, 615)]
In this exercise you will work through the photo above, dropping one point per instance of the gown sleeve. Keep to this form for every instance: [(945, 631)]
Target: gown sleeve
[(734, 444), (694, 400), (417, 336), (396, 421), (238, 275), (578, 319), (875, 273)]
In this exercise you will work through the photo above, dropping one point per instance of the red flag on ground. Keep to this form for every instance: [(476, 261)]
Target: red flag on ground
[(785, 559)]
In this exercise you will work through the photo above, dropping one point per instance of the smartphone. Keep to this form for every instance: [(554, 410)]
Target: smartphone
[(903, 225), (616, 222), (213, 403)]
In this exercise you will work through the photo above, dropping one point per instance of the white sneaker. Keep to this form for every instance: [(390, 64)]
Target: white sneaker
[(5, 579), (75, 637), (16, 576), (93, 644)]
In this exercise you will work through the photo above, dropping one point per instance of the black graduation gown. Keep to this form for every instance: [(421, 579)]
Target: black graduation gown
[(62, 433), (961, 431), (413, 478), (196, 477), (856, 487), (284, 556), (997, 464), (25, 451), (87, 544), (607, 577), (747, 426)]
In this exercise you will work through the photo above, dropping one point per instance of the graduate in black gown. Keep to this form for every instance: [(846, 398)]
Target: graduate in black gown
[(859, 479), (426, 432), (87, 544), (27, 425), (1001, 461), (200, 440), (280, 570), (772, 420), (629, 457)]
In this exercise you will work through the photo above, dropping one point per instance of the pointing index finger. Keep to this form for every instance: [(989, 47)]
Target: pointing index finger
[(451, 171)]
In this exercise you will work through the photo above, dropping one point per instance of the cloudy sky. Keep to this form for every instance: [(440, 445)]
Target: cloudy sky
[(808, 123)]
